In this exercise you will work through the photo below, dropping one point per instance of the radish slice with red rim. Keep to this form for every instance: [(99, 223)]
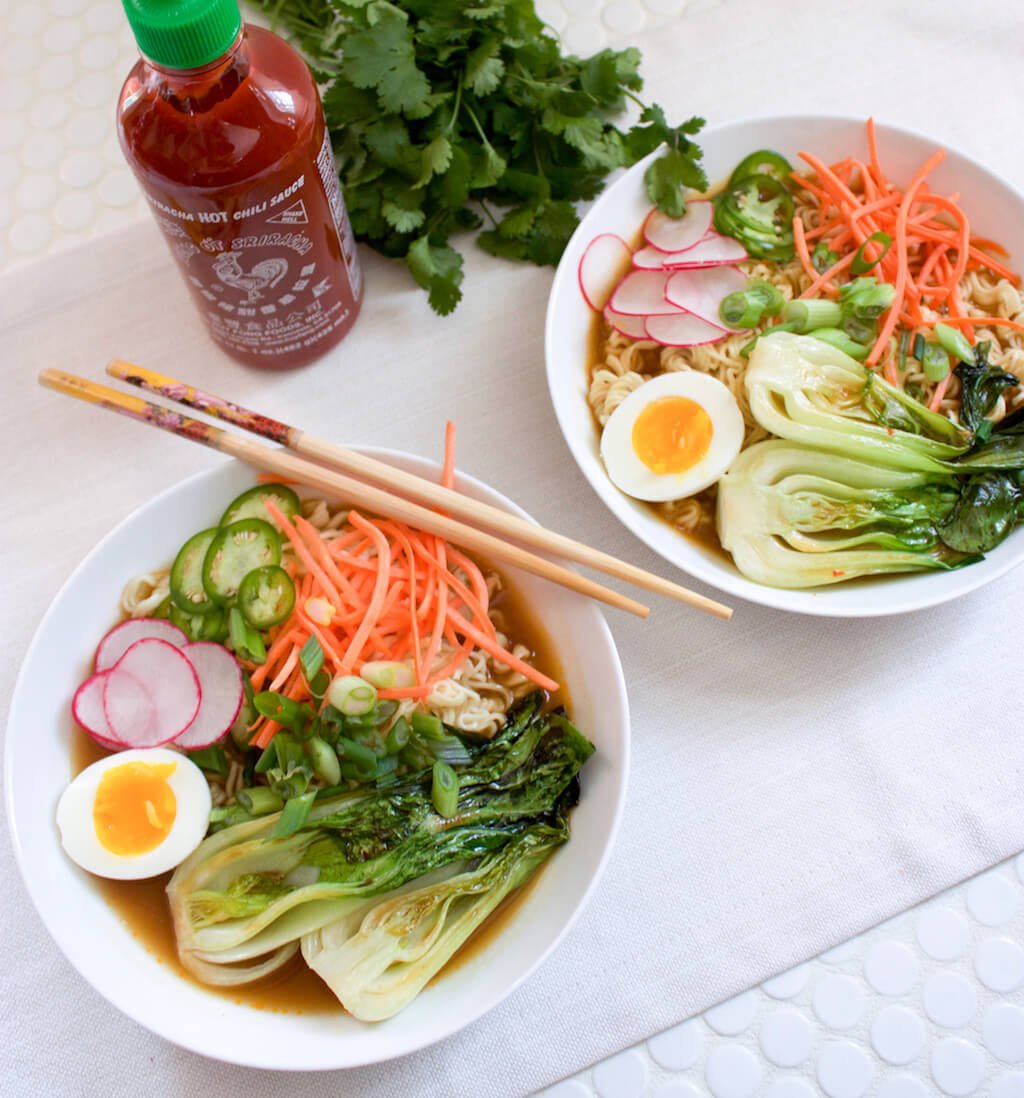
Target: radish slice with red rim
[(220, 685), (683, 330), (649, 259), (601, 267), (631, 326), (712, 251), (119, 639), (676, 234), (642, 293), (700, 290), (151, 695), (87, 709)]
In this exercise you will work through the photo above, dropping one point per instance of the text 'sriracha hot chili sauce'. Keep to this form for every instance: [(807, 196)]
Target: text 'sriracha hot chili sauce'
[(223, 128)]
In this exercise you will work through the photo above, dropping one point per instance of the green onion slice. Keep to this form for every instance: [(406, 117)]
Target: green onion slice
[(444, 790), (935, 362), (259, 800), (311, 658), (822, 258), (954, 342), (812, 314), (352, 695), (294, 816), (861, 264), (904, 347)]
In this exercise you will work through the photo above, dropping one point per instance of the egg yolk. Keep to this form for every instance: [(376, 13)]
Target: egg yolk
[(672, 434), (134, 807)]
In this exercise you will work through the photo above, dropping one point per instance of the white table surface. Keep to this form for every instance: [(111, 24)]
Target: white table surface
[(929, 1002)]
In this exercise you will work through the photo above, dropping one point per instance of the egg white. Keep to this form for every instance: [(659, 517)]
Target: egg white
[(630, 475), (191, 818)]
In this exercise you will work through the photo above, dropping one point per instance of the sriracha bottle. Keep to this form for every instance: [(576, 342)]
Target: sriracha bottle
[(222, 125)]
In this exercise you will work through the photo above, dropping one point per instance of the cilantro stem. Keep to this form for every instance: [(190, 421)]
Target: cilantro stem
[(478, 127), (490, 216), (536, 154), (636, 98), (455, 109)]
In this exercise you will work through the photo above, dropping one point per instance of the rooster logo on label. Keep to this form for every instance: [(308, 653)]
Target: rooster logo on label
[(261, 276)]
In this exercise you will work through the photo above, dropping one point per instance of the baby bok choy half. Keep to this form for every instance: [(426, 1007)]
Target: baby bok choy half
[(375, 862), (794, 516), (866, 480)]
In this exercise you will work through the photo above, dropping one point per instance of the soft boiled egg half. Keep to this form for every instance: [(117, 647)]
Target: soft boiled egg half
[(134, 814), (672, 437)]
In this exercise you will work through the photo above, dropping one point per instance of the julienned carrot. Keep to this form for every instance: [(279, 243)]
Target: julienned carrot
[(397, 594), (380, 588), (800, 244), (902, 266), (983, 322), (824, 280), (286, 669), (414, 627), (284, 643), (876, 167), (983, 260), (448, 469), (301, 550), (940, 392), (311, 536), (931, 248), (481, 640)]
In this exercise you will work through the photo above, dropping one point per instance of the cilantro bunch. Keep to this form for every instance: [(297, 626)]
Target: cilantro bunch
[(449, 116)]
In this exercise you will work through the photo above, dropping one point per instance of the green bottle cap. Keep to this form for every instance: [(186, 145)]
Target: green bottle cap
[(183, 34)]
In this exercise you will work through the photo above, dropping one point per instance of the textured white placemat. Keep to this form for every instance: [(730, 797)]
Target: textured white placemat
[(764, 747), (794, 780)]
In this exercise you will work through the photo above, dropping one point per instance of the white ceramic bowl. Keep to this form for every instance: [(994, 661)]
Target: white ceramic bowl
[(100, 946), (995, 210)]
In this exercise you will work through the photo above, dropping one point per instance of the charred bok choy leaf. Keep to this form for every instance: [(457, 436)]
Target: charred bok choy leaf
[(404, 941), (448, 116), (245, 897)]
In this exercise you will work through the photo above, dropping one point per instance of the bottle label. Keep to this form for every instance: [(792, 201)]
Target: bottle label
[(332, 188), (274, 267)]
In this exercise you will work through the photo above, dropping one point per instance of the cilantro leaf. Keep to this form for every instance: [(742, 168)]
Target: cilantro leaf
[(484, 67), (434, 160), (667, 177), (439, 271), (384, 58)]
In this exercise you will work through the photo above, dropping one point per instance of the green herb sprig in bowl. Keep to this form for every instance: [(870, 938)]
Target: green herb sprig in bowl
[(449, 117)]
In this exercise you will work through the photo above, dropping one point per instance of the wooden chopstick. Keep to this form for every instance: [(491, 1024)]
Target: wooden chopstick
[(352, 491), (416, 488)]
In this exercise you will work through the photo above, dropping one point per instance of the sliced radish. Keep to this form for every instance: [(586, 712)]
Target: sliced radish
[(700, 290), (683, 330), (87, 709), (601, 267), (632, 326), (710, 252), (151, 695), (649, 259), (676, 234), (642, 293), (126, 633), (220, 685)]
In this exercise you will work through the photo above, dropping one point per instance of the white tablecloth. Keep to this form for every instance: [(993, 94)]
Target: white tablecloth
[(795, 780)]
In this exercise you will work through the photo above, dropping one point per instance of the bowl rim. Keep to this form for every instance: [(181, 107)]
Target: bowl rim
[(188, 1036), (814, 602)]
